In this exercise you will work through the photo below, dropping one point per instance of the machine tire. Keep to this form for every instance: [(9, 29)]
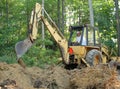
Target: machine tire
[(94, 57)]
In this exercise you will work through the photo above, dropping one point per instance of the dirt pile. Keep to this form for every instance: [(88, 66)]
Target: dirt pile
[(13, 76), (99, 77)]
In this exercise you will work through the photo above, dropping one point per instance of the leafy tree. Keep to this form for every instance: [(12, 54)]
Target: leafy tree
[(14, 20)]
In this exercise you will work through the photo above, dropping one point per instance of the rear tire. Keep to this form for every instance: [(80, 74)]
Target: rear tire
[(94, 57)]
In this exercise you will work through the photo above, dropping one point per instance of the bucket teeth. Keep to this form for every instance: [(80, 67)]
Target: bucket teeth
[(20, 61)]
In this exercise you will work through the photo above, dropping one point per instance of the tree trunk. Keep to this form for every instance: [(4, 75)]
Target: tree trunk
[(79, 15), (7, 14), (63, 16), (91, 13), (43, 31), (58, 23), (91, 21), (27, 15), (118, 25)]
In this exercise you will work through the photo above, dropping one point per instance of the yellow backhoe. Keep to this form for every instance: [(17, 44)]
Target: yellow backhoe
[(72, 55)]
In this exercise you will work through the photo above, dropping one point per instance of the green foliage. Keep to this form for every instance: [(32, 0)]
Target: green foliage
[(105, 21), (14, 18), (8, 55), (8, 59), (40, 56)]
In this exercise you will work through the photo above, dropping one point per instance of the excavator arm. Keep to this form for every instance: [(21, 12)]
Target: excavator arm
[(59, 38), (22, 46)]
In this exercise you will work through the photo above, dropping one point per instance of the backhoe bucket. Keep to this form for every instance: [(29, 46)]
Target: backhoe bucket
[(22, 47)]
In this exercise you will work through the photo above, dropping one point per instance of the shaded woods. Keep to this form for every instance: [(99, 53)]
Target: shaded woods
[(14, 20)]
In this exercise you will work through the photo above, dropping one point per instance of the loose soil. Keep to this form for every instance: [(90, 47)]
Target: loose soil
[(13, 76)]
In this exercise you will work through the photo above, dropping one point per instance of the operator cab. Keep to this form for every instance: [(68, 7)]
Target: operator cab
[(88, 33)]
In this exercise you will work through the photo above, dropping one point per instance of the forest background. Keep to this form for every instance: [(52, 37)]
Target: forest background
[(14, 21)]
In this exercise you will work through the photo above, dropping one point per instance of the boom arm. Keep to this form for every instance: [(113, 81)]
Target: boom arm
[(61, 41), (33, 25), (54, 31), (23, 46)]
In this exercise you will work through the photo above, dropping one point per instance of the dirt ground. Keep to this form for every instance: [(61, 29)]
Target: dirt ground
[(13, 76)]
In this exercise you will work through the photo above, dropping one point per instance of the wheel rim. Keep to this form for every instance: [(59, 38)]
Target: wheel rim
[(96, 60)]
